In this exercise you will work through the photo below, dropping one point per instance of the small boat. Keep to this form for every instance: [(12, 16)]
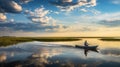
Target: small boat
[(87, 48)]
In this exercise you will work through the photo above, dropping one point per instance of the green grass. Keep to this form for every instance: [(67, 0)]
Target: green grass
[(110, 39), (5, 41)]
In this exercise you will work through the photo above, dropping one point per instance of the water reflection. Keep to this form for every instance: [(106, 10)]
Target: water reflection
[(3, 57), (86, 51), (111, 51), (45, 54), (87, 48)]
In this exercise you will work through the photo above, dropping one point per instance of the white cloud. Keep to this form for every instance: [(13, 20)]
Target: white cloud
[(9, 6), (11, 20), (17, 7), (61, 28), (56, 12), (66, 0), (95, 12), (40, 15), (69, 5), (25, 1), (40, 12), (93, 2), (2, 17), (84, 10)]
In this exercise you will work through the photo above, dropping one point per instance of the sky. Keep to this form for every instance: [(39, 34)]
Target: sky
[(68, 18)]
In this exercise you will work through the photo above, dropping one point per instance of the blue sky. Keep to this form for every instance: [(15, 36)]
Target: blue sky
[(59, 17)]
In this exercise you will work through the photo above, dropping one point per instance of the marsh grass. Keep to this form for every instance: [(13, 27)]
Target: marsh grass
[(110, 39), (5, 41)]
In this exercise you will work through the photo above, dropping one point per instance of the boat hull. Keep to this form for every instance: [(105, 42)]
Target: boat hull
[(86, 47)]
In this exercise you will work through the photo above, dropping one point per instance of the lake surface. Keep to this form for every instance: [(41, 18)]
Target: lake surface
[(60, 54)]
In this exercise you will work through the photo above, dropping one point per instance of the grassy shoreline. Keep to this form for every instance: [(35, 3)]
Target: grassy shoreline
[(6, 41), (109, 39)]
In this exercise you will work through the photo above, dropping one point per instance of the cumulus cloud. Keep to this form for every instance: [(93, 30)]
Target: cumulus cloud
[(2, 17), (69, 5), (10, 6), (42, 22), (93, 2), (40, 15)]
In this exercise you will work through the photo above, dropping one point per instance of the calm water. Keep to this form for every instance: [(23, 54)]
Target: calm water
[(54, 54)]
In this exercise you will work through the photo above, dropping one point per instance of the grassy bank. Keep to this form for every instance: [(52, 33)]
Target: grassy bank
[(5, 41), (110, 39)]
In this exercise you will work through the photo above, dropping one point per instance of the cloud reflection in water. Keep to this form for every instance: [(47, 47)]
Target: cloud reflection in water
[(38, 54)]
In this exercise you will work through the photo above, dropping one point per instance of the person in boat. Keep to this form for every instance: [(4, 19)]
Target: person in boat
[(85, 43), (87, 48)]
